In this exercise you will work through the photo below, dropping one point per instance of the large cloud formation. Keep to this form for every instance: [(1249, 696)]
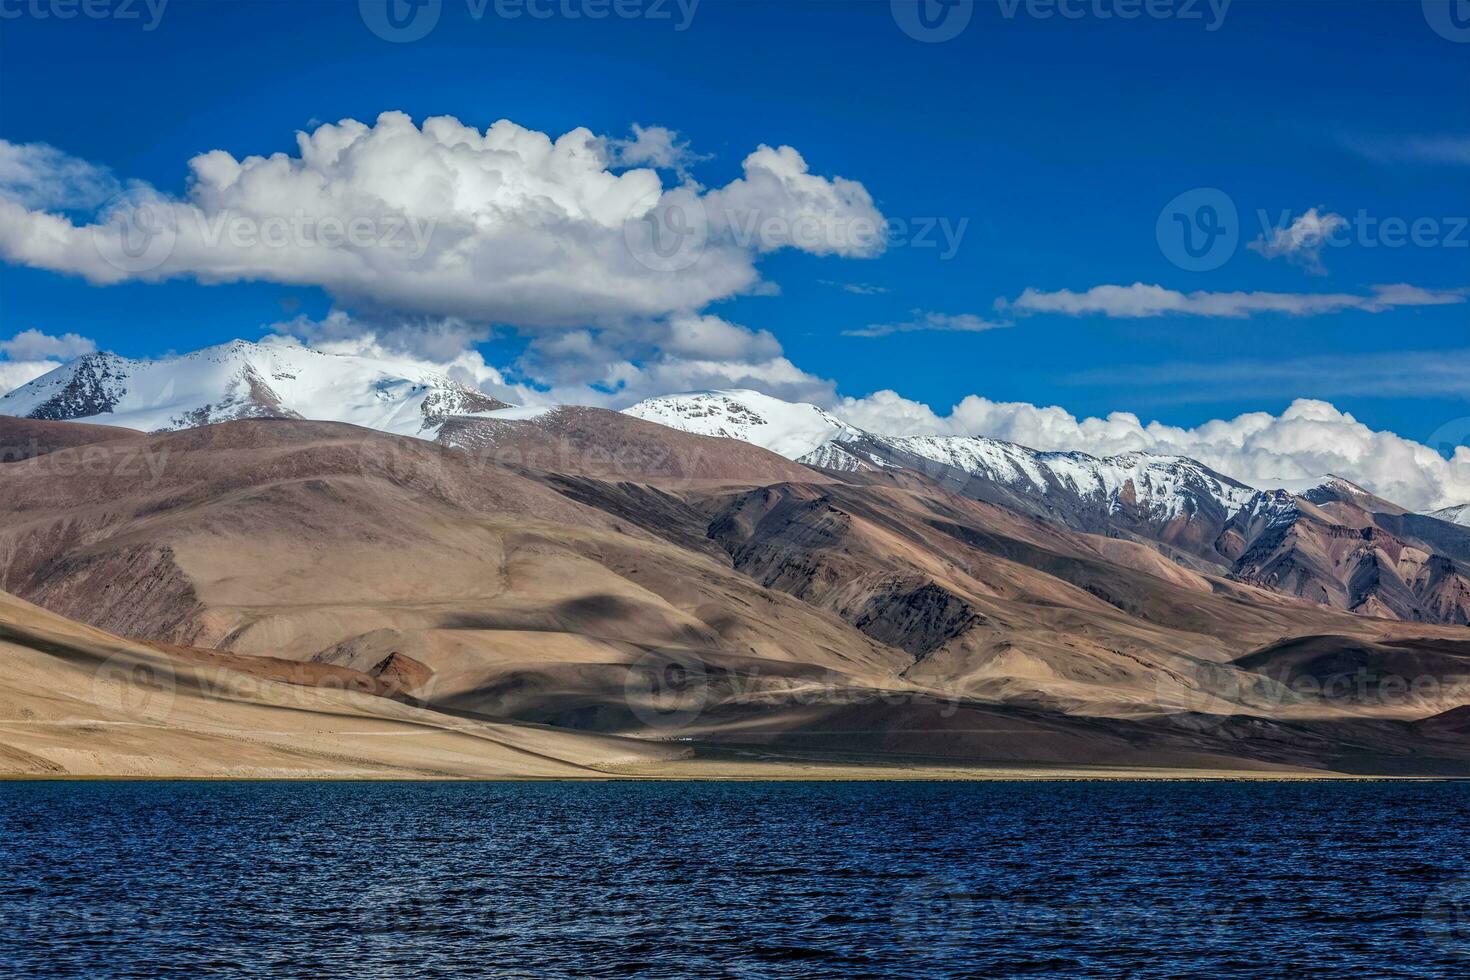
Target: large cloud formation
[(1310, 439), (507, 225)]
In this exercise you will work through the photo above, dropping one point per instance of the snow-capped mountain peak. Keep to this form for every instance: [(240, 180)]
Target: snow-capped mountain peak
[(1164, 487), (241, 380), (791, 429)]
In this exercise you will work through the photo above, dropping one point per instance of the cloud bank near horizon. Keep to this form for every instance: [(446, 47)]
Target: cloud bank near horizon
[(1310, 439)]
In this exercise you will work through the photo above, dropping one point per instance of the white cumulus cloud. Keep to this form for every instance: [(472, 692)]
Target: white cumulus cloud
[(506, 225), (33, 345), (780, 204)]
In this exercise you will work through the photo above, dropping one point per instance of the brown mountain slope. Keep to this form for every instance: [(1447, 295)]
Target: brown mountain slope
[(28, 438), (315, 541), (881, 617), (1343, 548), (77, 701), (996, 605)]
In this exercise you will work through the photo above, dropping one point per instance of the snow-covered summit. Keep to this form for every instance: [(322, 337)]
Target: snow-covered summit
[(1167, 486), (244, 380), (791, 429), (1327, 482)]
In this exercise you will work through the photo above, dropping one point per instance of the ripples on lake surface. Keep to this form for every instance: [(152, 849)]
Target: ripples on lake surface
[(752, 879)]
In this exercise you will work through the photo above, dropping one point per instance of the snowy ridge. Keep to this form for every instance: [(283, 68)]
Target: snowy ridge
[(1274, 508), (242, 380), (1164, 486), (791, 429), (843, 457), (1454, 515)]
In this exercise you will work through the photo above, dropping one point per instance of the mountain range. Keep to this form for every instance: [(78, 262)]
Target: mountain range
[(1332, 543), (722, 582), (242, 380)]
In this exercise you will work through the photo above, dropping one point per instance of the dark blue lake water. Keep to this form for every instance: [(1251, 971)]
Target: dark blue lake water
[(749, 880)]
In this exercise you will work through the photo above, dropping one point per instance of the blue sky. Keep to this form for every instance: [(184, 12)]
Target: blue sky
[(1054, 143)]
